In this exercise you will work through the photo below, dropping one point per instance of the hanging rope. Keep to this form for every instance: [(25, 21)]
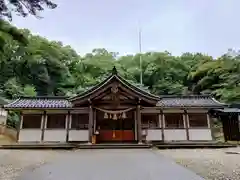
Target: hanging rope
[(114, 112)]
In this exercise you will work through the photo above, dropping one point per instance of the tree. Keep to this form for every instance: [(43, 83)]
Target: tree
[(219, 77), (43, 67), (24, 7)]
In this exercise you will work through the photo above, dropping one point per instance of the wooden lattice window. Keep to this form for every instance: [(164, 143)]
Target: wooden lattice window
[(150, 121), (31, 121), (56, 121), (198, 120), (80, 121), (174, 120)]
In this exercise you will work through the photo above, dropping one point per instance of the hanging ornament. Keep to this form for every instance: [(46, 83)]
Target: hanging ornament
[(114, 117), (124, 115), (113, 135), (105, 116)]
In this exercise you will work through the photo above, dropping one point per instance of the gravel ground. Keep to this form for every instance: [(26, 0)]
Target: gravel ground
[(13, 162), (212, 164)]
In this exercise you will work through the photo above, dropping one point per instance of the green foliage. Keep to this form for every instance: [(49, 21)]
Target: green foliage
[(43, 67), (24, 7), (21, 8)]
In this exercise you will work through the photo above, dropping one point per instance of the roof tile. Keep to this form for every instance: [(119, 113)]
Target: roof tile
[(64, 102), (188, 101), (40, 102)]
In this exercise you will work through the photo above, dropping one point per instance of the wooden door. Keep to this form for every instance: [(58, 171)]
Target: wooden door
[(115, 131)]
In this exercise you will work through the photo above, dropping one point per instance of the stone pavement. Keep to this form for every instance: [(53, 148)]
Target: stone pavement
[(111, 164)]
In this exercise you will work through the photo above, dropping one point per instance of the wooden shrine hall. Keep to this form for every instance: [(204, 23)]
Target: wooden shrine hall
[(114, 111)]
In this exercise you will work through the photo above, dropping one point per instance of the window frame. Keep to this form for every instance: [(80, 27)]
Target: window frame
[(33, 116), (57, 127), (179, 125), (206, 126), (76, 122), (148, 125)]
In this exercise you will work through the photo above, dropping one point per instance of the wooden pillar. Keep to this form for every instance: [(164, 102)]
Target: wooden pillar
[(19, 126), (43, 125), (135, 126), (210, 125), (139, 124), (68, 117), (21, 121), (238, 127), (90, 124), (162, 124), (208, 121), (159, 120), (186, 123)]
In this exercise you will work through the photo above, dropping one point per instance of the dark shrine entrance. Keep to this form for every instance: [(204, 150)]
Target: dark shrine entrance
[(115, 126)]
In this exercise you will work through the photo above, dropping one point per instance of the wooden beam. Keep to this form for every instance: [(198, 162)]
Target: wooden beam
[(126, 95), (210, 125), (186, 122), (110, 107), (152, 110), (139, 124), (43, 125), (19, 126), (90, 124), (162, 124), (173, 110), (84, 110), (110, 102), (67, 125), (103, 94)]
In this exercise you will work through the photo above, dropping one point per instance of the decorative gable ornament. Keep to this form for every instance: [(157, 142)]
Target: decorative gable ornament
[(114, 89)]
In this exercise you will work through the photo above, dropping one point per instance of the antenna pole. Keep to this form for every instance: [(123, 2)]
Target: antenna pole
[(140, 58)]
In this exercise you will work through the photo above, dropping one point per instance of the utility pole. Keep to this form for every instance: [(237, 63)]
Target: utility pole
[(140, 58)]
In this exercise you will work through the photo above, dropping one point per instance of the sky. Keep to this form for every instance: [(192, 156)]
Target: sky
[(177, 26)]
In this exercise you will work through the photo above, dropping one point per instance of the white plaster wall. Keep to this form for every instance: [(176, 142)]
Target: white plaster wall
[(3, 120), (154, 135), (3, 116), (30, 135), (78, 135), (3, 112), (175, 135), (200, 134), (55, 135)]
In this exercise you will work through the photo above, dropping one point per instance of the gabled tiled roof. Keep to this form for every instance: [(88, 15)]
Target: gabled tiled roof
[(64, 102), (39, 102), (117, 78), (189, 101)]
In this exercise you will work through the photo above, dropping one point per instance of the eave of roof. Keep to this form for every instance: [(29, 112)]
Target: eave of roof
[(228, 110), (189, 101), (40, 102), (57, 102)]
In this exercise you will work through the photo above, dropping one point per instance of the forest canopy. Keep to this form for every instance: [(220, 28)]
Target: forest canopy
[(43, 67)]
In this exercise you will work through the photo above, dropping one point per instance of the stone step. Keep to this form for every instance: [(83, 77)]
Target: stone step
[(192, 146), (113, 146), (71, 146)]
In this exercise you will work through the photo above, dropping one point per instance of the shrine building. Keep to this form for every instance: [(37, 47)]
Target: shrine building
[(115, 111)]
